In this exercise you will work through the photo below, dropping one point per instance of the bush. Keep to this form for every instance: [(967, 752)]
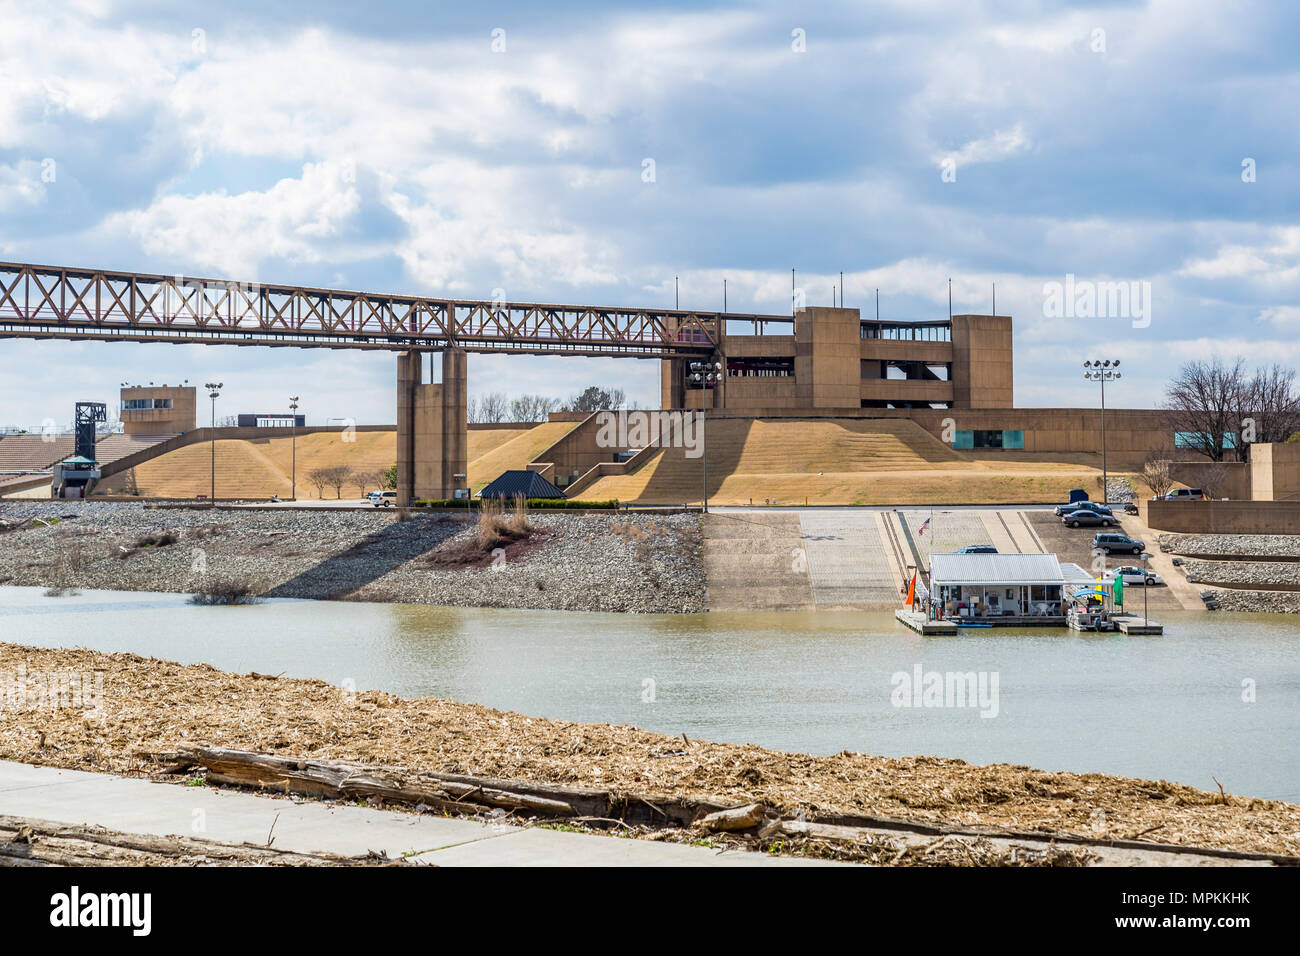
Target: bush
[(225, 591), (493, 526), (518, 521)]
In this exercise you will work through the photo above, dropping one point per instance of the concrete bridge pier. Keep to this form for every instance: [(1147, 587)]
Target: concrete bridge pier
[(432, 437)]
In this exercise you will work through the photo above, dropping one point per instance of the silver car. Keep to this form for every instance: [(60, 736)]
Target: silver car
[(1085, 517), (1135, 576)]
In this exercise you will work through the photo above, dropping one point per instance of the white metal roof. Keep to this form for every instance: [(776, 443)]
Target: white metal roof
[(1074, 574), (1004, 569)]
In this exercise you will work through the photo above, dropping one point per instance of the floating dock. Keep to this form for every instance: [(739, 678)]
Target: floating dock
[(1124, 625), (922, 625), (950, 627), (1135, 625)]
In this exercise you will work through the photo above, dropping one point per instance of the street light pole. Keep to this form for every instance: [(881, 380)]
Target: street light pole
[(1102, 372), (1145, 588), (705, 448), (214, 389), (293, 447)]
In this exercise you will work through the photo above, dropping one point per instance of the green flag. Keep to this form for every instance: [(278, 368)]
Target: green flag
[(1119, 590)]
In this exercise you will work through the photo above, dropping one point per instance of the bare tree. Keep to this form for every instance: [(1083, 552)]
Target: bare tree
[(1205, 402), (1272, 411), (1157, 477), (532, 408), (1210, 476), (319, 478), (333, 476), (362, 479), (1158, 469), (490, 407)]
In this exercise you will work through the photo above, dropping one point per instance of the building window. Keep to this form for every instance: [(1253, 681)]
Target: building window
[(143, 404), (989, 438), (760, 367), (1198, 440)]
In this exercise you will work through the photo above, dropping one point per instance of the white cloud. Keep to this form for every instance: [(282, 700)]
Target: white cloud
[(296, 219), (21, 185), (1287, 316), (1002, 144)]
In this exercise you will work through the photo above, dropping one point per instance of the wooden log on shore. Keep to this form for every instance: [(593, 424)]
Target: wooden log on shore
[(818, 831), (341, 780), (734, 819), (31, 842), (443, 791), (242, 768), (447, 795)]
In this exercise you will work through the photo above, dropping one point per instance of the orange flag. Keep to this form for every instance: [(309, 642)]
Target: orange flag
[(911, 591)]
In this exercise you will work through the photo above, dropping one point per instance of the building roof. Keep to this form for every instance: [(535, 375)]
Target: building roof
[(1004, 569), (527, 483)]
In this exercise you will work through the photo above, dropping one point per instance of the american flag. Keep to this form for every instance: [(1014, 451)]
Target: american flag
[(920, 532)]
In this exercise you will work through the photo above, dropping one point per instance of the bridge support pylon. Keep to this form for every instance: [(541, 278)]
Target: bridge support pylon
[(432, 437)]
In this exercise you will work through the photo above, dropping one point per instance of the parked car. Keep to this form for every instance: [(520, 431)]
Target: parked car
[(1134, 575), (978, 549), (382, 499), (1185, 494), (1082, 506), (1112, 541), (1086, 517)]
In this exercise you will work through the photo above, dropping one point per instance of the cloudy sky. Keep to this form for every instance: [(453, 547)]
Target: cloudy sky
[(590, 152)]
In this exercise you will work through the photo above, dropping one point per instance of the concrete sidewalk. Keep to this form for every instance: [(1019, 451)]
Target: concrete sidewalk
[(135, 805)]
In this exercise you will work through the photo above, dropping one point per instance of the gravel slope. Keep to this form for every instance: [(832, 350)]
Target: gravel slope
[(615, 562)]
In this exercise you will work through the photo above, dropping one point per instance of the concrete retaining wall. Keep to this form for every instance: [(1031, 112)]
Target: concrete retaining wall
[(1222, 517)]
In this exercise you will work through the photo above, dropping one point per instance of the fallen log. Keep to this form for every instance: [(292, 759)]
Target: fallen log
[(818, 831), (734, 819), (446, 796), (31, 842), (442, 791)]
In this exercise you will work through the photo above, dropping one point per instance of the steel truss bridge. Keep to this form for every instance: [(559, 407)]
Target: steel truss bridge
[(55, 302)]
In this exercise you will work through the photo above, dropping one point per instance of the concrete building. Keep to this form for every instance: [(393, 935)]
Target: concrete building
[(834, 360), (158, 410), (270, 420)]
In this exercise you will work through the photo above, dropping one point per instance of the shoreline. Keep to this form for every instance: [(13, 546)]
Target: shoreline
[(619, 562), (614, 562), (153, 708)]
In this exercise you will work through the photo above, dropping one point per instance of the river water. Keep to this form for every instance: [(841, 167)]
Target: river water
[(1167, 707)]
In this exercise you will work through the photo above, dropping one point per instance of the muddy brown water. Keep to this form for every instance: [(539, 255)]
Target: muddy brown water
[(1217, 696)]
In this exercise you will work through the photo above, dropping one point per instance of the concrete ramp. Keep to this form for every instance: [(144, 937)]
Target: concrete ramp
[(798, 561), (754, 561), (849, 564)]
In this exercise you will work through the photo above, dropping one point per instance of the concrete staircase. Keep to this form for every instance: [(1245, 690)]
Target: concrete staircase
[(516, 453), (260, 467), (763, 458)]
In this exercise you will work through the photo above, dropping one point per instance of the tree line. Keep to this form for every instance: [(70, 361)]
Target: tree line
[(339, 477), (1219, 408), (500, 407)]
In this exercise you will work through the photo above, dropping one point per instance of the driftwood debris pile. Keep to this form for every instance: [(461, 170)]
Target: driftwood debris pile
[(28, 842), (877, 839), (456, 793)]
